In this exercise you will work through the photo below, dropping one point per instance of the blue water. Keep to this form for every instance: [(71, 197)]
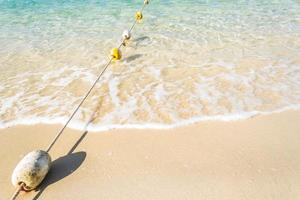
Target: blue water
[(188, 61)]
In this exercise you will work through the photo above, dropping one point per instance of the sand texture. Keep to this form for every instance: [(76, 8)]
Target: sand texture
[(255, 159)]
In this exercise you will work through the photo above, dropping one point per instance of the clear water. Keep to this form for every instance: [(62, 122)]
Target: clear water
[(188, 61)]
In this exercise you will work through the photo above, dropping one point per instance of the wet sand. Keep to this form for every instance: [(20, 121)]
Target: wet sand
[(257, 158)]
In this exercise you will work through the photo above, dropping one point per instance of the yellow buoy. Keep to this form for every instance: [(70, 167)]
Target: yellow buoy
[(138, 16), (146, 2), (115, 53)]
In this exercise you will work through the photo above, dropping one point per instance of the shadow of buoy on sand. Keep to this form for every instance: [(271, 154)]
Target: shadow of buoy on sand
[(61, 168)]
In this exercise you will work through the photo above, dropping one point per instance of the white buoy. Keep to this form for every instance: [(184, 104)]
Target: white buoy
[(31, 170), (126, 35)]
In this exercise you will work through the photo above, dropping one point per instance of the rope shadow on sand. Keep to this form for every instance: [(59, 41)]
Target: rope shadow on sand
[(66, 165), (61, 168)]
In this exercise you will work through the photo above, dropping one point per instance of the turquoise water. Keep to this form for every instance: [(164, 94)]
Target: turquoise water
[(188, 61)]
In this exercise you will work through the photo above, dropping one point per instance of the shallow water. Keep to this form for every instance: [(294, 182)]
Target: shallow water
[(188, 61)]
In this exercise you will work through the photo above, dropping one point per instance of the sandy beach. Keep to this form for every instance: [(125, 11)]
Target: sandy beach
[(195, 100), (257, 158)]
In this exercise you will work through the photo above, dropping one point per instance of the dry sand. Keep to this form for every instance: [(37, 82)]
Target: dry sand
[(257, 158)]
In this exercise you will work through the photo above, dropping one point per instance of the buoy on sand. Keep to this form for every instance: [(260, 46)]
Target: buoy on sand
[(31, 170)]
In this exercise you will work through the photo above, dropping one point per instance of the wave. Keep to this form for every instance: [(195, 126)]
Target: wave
[(79, 125)]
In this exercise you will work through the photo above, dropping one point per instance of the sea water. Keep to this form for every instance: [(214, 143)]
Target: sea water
[(188, 61)]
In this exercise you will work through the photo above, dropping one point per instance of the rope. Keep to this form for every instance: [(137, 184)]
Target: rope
[(89, 91), (134, 23), (17, 192), (19, 189), (79, 105)]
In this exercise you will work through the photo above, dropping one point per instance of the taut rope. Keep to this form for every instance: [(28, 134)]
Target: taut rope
[(22, 185), (89, 91), (79, 105), (17, 192)]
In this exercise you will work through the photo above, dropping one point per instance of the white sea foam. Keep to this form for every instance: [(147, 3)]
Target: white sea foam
[(78, 125), (113, 91)]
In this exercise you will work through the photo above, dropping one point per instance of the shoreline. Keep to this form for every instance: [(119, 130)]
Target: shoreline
[(151, 126), (255, 158)]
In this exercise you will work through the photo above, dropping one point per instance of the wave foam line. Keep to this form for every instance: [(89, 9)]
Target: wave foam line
[(78, 125)]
